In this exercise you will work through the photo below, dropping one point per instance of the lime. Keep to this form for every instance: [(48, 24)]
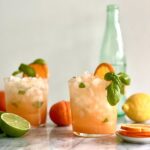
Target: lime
[(1, 112), (13, 125)]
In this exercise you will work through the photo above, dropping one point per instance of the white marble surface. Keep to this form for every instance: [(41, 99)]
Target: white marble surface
[(61, 138)]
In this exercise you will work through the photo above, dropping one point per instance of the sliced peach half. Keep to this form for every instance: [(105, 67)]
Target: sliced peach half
[(102, 69)]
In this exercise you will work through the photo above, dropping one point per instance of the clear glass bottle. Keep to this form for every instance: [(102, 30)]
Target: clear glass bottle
[(112, 50)]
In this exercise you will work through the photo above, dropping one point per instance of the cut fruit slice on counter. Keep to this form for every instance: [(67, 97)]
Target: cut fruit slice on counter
[(136, 127), (134, 134), (135, 130), (13, 125), (102, 69)]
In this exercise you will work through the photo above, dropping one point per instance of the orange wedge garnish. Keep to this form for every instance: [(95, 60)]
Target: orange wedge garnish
[(40, 69), (102, 69)]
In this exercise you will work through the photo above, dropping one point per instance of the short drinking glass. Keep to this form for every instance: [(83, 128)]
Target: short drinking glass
[(27, 97), (92, 115)]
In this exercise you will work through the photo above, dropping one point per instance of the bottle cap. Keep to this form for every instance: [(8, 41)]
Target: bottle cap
[(112, 7)]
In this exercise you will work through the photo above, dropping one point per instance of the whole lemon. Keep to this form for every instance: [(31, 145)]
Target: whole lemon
[(137, 107)]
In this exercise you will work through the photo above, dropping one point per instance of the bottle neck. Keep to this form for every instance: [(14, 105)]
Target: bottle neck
[(112, 18)]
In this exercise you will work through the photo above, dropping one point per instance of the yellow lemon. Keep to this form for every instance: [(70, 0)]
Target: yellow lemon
[(137, 107)]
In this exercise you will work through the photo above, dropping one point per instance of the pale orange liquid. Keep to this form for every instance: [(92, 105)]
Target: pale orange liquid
[(36, 116), (90, 123), (91, 112)]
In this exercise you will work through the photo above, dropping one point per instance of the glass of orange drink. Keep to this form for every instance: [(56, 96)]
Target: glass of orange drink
[(93, 99), (27, 96), (92, 115)]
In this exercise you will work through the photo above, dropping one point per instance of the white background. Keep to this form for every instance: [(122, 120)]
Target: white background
[(68, 35)]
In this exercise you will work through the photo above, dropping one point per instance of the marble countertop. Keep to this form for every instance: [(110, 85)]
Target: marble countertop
[(61, 138)]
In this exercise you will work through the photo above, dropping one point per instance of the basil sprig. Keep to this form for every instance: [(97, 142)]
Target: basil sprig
[(116, 88), (26, 69), (39, 61)]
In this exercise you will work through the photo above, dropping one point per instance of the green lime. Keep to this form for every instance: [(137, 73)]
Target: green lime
[(1, 112), (13, 125)]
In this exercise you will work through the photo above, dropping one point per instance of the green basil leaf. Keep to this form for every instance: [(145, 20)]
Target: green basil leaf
[(29, 71), (110, 76), (113, 94), (105, 120), (39, 61), (81, 85), (122, 89), (16, 72), (21, 92), (124, 78), (37, 104)]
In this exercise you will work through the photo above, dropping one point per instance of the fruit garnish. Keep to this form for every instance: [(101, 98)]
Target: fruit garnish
[(116, 88), (81, 85), (102, 69), (38, 68), (60, 113), (13, 125), (137, 107), (26, 69)]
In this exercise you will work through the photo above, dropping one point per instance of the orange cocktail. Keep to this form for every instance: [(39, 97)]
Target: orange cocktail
[(92, 115), (27, 97)]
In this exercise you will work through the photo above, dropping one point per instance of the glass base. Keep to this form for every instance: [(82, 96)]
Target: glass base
[(40, 125), (90, 135)]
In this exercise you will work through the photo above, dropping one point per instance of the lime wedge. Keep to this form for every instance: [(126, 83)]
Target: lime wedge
[(1, 112), (13, 125)]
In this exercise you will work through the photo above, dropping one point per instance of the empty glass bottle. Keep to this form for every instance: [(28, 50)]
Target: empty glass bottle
[(112, 50)]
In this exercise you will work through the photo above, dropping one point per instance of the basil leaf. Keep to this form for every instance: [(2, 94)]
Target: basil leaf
[(110, 76), (81, 85), (37, 104), (124, 78), (122, 89), (29, 71), (113, 94), (105, 120), (16, 72), (21, 92), (39, 61)]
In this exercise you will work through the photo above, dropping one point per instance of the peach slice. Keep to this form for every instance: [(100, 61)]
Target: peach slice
[(102, 69)]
